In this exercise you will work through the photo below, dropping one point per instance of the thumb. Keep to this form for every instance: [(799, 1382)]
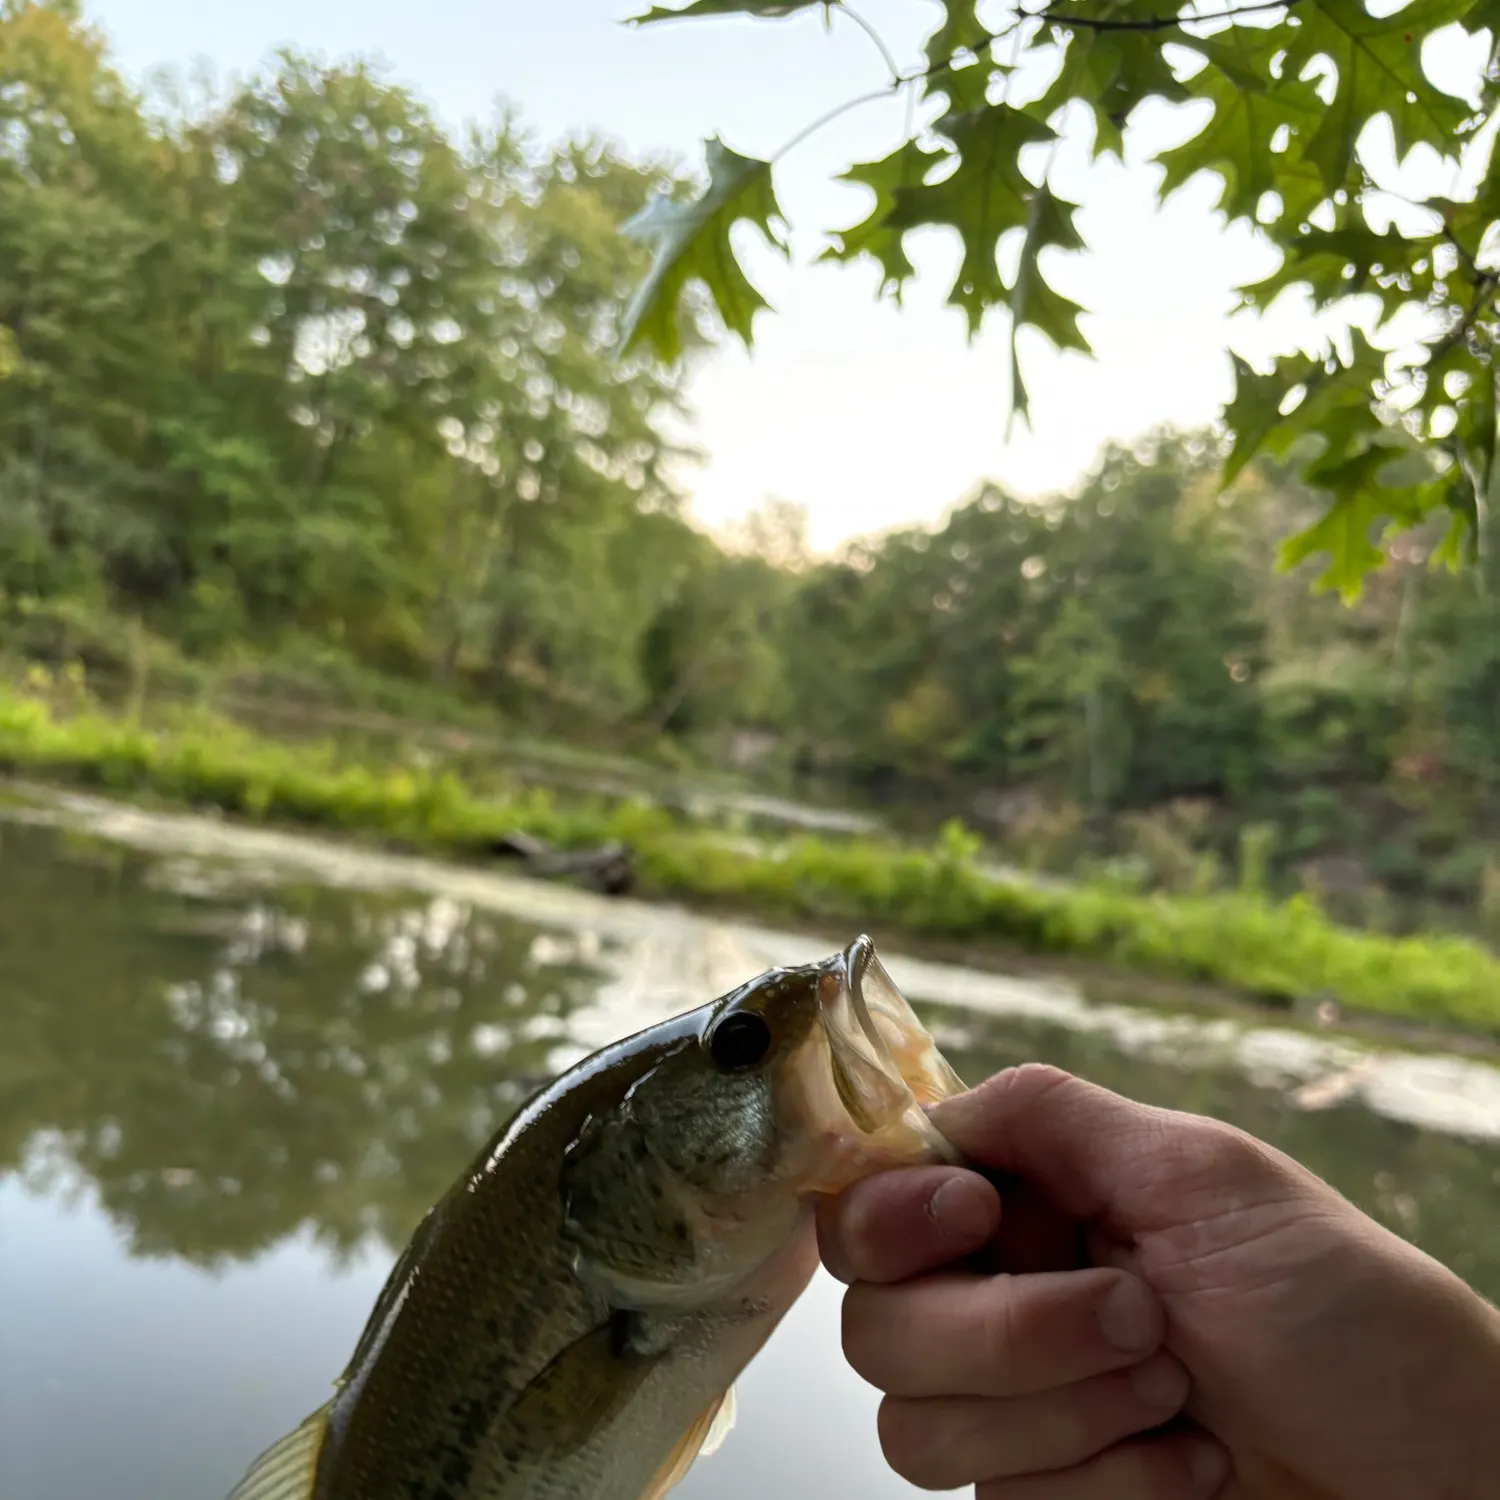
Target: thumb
[(1097, 1156)]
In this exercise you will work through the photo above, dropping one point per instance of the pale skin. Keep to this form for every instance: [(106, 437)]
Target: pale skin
[(1153, 1306)]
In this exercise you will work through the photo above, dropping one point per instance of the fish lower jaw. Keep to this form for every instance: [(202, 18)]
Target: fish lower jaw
[(843, 1161)]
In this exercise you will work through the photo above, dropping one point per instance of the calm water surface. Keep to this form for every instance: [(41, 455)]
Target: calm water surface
[(225, 1101)]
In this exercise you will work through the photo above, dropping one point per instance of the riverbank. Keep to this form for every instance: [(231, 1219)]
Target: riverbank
[(650, 959), (1285, 953)]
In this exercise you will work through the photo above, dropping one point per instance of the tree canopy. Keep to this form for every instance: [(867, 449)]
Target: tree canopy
[(1305, 110), (297, 362)]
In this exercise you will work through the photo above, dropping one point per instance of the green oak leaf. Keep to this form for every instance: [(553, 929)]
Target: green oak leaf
[(1250, 106), (874, 235), (984, 197), (766, 9), (1344, 262), (1361, 466), (1033, 302), (1360, 500), (1335, 405), (1112, 72), (1253, 413), (690, 242), (1453, 358), (961, 31), (966, 88), (1344, 534), (1339, 393), (1379, 65)]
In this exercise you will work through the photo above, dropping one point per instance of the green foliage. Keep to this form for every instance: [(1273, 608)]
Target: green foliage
[(295, 363), (1256, 845), (1291, 103), (1106, 646), (690, 242), (983, 203)]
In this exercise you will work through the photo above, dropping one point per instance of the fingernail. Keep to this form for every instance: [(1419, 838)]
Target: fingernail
[(1208, 1463), (1127, 1318), (963, 1209), (1160, 1382)]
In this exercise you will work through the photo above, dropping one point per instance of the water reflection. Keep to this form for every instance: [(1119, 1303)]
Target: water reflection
[(224, 1103), (227, 1069), (147, 1379)]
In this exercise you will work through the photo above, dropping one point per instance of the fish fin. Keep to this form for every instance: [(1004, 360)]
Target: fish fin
[(706, 1433), (585, 1386), (722, 1425), (286, 1470)]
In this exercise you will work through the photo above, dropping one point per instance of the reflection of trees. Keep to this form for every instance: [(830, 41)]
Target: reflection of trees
[(227, 1069), (1437, 1191)]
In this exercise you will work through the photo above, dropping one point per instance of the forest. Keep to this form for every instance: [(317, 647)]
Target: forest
[(302, 390)]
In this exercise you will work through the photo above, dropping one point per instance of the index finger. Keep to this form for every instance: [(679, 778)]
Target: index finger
[(905, 1222)]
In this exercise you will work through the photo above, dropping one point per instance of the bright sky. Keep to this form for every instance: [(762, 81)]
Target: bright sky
[(866, 414)]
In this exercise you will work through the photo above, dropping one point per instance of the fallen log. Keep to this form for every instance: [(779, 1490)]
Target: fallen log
[(608, 869)]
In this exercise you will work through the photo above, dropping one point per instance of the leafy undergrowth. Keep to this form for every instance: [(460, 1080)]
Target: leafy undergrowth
[(1283, 951)]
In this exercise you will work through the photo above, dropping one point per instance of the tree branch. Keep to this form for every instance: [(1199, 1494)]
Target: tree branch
[(1152, 23), (842, 109)]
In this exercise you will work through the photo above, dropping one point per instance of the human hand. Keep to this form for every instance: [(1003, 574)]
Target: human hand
[(1180, 1313)]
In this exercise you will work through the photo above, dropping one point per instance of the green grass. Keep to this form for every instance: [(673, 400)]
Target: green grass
[(1284, 951)]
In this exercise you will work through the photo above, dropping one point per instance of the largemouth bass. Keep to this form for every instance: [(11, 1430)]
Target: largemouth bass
[(569, 1321)]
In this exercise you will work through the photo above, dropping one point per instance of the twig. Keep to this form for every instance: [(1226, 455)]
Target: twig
[(841, 109), (892, 66)]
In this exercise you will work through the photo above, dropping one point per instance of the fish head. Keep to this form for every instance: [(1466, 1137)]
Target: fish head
[(795, 1084)]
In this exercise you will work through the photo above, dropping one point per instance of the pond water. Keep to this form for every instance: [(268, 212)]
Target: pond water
[(236, 1068)]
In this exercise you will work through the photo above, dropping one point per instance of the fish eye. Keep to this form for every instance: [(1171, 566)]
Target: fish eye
[(740, 1041)]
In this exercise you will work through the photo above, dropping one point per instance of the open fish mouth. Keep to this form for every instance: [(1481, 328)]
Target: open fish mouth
[(885, 1064), (893, 1028)]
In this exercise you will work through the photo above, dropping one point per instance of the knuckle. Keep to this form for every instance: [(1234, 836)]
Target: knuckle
[(1080, 1427), (1039, 1076), (1197, 1162), (1029, 1081), (865, 1337), (997, 1323), (1155, 1469), (911, 1446), (1216, 1153)]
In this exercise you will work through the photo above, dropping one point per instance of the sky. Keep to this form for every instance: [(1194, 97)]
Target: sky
[(866, 414)]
